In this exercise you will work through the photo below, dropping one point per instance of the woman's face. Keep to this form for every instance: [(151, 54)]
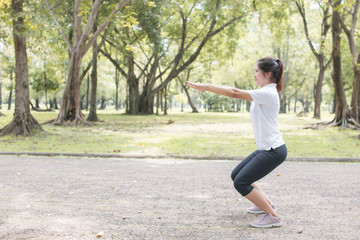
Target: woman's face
[(261, 78)]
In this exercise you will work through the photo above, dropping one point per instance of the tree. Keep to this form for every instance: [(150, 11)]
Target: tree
[(23, 122), (92, 114), (44, 80), (70, 104), (167, 40), (343, 116), (351, 35), (320, 53), (187, 51)]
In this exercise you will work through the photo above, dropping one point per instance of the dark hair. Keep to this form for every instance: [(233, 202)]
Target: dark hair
[(275, 66)]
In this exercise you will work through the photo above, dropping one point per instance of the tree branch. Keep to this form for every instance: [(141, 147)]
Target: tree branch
[(85, 71), (116, 64), (77, 23), (175, 71), (58, 25), (105, 23), (301, 8), (350, 32)]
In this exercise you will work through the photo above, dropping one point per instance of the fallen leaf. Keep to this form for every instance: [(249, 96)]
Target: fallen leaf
[(100, 234), (279, 175)]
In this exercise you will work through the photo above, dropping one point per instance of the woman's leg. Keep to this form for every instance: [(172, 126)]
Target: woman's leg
[(256, 168), (256, 186), (242, 164), (260, 200)]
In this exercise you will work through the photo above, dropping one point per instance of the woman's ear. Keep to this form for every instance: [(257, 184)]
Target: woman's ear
[(268, 75)]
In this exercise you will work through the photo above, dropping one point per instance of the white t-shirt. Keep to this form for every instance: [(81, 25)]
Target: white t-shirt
[(264, 112)]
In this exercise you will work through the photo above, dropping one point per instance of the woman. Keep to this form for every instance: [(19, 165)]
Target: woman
[(271, 149)]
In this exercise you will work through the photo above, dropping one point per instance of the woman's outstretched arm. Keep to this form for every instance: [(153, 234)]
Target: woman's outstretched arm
[(226, 91)]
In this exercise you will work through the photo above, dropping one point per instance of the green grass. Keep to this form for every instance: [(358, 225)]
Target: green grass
[(219, 134)]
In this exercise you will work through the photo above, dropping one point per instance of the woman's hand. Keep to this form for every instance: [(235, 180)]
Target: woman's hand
[(198, 86)]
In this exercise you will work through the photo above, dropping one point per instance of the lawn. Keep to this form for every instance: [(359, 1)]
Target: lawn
[(204, 134)]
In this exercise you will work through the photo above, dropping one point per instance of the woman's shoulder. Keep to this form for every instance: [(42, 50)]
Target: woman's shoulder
[(267, 95)]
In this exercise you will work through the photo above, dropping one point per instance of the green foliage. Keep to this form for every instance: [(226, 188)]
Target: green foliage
[(145, 27), (217, 103)]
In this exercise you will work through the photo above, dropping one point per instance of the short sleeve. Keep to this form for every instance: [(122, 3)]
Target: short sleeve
[(263, 96)]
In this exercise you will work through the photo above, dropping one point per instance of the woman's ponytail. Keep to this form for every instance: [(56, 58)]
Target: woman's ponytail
[(279, 75), (275, 66)]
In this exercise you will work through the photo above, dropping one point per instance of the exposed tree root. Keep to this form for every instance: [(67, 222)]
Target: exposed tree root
[(80, 120), (25, 126), (61, 122), (92, 117), (344, 123)]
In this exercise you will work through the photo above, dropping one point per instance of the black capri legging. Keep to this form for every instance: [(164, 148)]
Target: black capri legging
[(256, 166)]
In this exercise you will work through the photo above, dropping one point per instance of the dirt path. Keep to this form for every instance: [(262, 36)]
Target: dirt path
[(76, 198)]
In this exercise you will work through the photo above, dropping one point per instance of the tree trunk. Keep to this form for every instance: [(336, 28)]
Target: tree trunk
[(165, 100), (355, 98), (157, 102), (23, 122), (10, 98), (51, 104), (146, 103), (92, 114), (87, 93), (288, 104), (342, 113), (82, 102), (93, 101), (70, 105), (307, 105), (161, 100), (351, 35), (103, 103), (283, 98), (333, 110), (116, 89), (317, 104), (55, 104), (194, 110), (0, 95), (133, 84), (11, 90)]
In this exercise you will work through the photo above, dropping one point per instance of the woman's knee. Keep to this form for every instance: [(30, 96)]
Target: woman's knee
[(233, 174), (243, 187)]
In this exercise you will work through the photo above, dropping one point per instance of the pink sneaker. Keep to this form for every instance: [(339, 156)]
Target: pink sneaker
[(256, 210), (267, 221)]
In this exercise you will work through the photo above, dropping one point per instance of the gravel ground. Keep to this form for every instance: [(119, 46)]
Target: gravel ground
[(80, 198)]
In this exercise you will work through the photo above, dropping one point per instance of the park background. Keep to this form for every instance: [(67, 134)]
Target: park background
[(124, 82), (106, 79)]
